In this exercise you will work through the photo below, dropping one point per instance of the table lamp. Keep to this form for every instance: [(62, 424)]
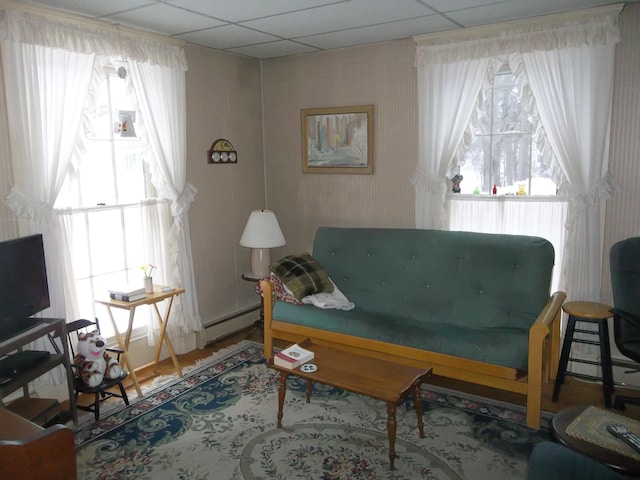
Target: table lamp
[(261, 233)]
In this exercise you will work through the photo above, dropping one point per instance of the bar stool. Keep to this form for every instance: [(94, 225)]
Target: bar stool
[(588, 312)]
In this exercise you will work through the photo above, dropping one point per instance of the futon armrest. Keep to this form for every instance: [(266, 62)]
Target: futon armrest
[(544, 340), (551, 310)]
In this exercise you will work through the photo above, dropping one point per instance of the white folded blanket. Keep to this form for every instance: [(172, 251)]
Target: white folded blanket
[(335, 300)]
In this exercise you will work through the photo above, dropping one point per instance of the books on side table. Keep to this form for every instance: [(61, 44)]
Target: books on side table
[(127, 293), (292, 357)]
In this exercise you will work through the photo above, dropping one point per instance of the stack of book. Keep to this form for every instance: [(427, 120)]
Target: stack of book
[(127, 293), (292, 357)]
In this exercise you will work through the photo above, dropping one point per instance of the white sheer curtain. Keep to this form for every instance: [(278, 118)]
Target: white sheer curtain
[(447, 93), (161, 93), (45, 90), (573, 89)]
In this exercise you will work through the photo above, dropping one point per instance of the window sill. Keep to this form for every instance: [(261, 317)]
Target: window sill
[(504, 198)]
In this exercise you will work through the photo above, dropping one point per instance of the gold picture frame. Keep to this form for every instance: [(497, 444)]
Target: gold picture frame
[(337, 139)]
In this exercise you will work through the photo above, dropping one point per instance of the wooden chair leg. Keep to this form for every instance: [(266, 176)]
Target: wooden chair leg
[(96, 407), (123, 392)]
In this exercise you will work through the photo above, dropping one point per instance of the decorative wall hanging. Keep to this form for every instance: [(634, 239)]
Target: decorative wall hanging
[(222, 151), (337, 140)]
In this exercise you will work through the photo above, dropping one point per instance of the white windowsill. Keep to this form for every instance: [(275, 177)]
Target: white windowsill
[(503, 198)]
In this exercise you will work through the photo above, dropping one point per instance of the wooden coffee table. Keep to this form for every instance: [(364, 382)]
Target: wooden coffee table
[(380, 379)]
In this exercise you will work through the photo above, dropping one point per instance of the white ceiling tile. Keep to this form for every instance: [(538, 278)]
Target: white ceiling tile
[(92, 8), (514, 10), (227, 36), (239, 10), (448, 5), (379, 33), (164, 19), (273, 49), (339, 16)]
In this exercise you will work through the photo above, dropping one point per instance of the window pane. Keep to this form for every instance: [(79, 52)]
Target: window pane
[(510, 165), (131, 185), (134, 241), (509, 116), (79, 248), (105, 238), (115, 111), (96, 175), (482, 125), (476, 170), (502, 151)]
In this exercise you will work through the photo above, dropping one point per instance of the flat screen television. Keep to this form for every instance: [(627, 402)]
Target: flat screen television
[(24, 290)]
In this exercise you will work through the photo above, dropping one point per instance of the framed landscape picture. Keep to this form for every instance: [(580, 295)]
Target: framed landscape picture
[(337, 140)]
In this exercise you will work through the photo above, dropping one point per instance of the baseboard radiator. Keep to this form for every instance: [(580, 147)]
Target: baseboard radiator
[(227, 325)]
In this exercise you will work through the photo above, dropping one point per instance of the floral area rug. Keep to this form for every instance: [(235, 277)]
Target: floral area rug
[(219, 422)]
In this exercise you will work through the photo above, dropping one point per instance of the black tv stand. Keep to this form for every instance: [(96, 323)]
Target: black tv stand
[(53, 328)]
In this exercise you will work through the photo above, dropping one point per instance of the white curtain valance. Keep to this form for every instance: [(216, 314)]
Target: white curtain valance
[(74, 36), (497, 41)]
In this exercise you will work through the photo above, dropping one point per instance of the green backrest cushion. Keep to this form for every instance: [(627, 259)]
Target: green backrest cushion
[(458, 278)]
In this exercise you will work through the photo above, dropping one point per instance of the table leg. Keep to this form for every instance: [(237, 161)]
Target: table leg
[(564, 357), (164, 338), (309, 389), (391, 432), (127, 338), (417, 401), (124, 345), (605, 360), (281, 393)]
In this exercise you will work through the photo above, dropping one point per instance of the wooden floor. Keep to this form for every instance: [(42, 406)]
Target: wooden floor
[(573, 392)]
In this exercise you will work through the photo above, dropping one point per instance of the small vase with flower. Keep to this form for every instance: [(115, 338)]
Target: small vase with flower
[(147, 270)]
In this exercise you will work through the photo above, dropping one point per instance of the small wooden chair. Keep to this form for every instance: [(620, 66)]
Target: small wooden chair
[(104, 390)]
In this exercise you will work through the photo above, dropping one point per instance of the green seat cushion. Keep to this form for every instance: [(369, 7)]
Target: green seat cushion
[(507, 347), (302, 275)]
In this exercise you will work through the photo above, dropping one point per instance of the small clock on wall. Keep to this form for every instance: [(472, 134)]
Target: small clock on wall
[(222, 151)]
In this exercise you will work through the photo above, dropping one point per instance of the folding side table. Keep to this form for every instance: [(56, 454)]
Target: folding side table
[(153, 299)]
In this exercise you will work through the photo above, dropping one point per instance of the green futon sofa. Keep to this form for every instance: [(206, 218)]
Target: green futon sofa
[(474, 307)]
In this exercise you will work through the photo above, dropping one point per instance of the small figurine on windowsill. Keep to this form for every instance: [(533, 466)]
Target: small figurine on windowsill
[(456, 183)]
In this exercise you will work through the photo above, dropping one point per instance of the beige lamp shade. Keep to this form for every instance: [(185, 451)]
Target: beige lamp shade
[(261, 233)]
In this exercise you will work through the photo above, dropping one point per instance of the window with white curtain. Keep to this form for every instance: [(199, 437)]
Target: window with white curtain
[(567, 63), (102, 198), (83, 176)]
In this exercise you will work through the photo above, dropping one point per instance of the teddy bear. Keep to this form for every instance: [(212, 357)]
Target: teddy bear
[(456, 183), (93, 363)]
